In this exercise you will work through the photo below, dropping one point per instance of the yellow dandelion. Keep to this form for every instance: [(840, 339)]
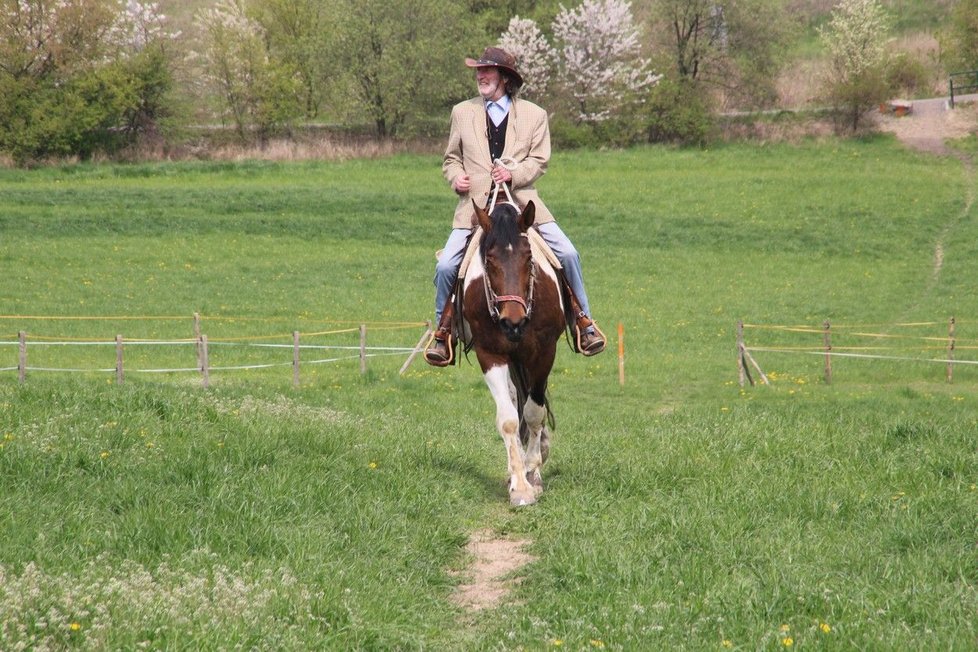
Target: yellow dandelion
[(784, 628), (787, 641), (372, 465), (557, 642), (74, 627), (104, 454), (726, 643), (598, 643), (825, 627)]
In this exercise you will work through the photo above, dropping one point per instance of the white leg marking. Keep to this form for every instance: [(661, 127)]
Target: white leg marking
[(508, 425)]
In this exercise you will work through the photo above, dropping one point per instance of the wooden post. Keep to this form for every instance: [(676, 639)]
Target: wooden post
[(417, 347), (827, 340), (204, 362), (22, 362), (363, 348), (200, 361), (950, 351), (741, 362), (119, 375), (295, 358), (621, 354)]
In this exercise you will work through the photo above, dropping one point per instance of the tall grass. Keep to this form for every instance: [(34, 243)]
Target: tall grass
[(681, 511)]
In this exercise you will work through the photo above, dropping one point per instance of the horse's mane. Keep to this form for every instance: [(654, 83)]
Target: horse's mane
[(505, 228)]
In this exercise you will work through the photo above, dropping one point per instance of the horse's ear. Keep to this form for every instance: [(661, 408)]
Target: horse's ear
[(483, 217), (527, 216)]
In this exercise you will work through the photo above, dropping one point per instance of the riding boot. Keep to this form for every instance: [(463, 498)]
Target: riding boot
[(588, 338), (441, 348)]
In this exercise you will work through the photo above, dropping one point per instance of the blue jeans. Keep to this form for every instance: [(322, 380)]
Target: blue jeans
[(446, 269)]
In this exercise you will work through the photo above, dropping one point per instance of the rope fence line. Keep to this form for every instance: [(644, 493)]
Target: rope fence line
[(828, 349), (203, 347)]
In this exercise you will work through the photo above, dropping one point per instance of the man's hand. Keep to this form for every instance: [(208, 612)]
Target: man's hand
[(501, 175), (461, 184)]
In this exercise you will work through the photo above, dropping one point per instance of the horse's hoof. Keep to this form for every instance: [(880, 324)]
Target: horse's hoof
[(522, 498)]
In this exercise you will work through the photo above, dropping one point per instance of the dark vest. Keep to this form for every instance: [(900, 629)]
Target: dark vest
[(497, 136)]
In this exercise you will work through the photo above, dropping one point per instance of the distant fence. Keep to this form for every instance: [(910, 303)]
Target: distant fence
[(200, 347), (961, 83), (902, 342)]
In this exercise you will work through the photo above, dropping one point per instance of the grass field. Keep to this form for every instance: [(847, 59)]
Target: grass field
[(681, 512)]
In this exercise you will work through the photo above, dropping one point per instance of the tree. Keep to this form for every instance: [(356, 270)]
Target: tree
[(961, 37), (733, 46), (295, 34), (402, 58), (256, 92), (537, 58), (856, 38), (600, 63), (77, 76)]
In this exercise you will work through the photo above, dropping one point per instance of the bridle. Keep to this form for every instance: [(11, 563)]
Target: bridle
[(492, 299)]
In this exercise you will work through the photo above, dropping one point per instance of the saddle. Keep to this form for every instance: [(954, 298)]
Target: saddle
[(541, 251)]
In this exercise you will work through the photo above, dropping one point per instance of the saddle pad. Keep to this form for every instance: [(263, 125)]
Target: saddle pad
[(541, 250), (470, 251)]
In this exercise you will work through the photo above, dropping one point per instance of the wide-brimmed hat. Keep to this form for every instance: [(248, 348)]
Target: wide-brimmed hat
[(497, 58)]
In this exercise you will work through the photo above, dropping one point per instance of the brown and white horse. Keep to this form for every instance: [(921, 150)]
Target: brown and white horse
[(513, 318)]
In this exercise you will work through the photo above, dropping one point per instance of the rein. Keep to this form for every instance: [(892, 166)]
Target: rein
[(510, 165)]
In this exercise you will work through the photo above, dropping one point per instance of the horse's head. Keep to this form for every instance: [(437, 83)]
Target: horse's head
[(509, 271)]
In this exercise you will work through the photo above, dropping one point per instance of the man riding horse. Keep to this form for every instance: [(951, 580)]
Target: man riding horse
[(498, 139)]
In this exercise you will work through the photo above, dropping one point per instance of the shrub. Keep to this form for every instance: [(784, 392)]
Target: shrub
[(677, 112)]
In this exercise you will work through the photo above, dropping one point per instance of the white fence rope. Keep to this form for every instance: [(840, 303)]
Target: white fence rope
[(367, 352)]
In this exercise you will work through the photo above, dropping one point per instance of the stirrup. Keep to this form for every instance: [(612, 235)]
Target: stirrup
[(578, 332), (449, 342)]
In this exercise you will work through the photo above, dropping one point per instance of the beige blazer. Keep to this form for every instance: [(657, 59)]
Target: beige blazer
[(527, 143)]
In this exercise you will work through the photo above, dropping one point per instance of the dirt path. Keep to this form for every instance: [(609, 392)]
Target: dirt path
[(930, 123), (494, 561), (927, 128)]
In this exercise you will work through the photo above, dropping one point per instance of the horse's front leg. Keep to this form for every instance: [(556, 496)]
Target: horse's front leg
[(535, 417), (508, 424)]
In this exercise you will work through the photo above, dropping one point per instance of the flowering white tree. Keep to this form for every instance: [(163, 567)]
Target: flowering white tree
[(600, 60), (536, 58), (237, 63), (856, 38)]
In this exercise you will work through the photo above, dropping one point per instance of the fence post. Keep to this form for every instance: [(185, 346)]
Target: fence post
[(950, 351), (363, 349), (197, 337), (741, 363), (417, 347), (22, 360), (621, 354), (118, 360), (204, 362), (827, 340), (295, 358)]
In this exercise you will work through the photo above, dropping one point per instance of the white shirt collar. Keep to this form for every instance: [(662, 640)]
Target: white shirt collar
[(498, 109)]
